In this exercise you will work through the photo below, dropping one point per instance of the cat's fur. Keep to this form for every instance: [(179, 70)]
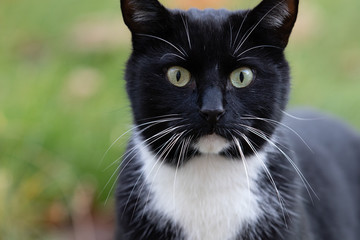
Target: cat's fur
[(209, 161)]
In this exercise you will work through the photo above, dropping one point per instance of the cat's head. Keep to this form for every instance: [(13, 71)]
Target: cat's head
[(207, 82)]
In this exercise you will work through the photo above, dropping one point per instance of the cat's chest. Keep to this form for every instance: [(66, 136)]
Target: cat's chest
[(210, 197)]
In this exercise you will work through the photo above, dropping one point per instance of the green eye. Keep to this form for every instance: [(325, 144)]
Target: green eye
[(241, 77), (178, 76)]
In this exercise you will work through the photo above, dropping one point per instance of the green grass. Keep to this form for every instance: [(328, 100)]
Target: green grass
[(53, 136), (326, 70)]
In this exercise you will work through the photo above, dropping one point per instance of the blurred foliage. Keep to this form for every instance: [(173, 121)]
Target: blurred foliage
[(63, 104)]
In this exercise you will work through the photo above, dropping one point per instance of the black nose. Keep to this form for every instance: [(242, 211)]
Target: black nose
[(212, 107), (212, 115)]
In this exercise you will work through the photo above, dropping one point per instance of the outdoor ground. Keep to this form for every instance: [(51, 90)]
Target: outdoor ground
[(63, 104)]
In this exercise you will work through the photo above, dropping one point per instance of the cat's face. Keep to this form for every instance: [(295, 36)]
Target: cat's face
[(207, 82)]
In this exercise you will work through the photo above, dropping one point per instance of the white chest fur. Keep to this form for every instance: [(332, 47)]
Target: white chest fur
[(210, 197)]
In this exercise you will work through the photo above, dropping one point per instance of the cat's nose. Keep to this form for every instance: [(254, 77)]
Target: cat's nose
[(212, 105), (212, 115)]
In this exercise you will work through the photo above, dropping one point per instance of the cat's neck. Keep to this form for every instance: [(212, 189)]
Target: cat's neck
[(210, 192)]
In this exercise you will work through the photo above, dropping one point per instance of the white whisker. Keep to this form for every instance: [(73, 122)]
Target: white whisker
[(169, 43), (130, 151), (185, 144), (151, 123), (256, 25), (302, 119), (282, 124), (231, 34), (238, 32), (302, 177), (162, 133), (268, 174), (186, 26), (156, 137), (172, 54), (243, 159), (162, 158), (245, 58), (256, 47)]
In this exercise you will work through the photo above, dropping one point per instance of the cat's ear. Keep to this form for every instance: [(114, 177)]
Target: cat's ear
[(143, 16), (278, 17)]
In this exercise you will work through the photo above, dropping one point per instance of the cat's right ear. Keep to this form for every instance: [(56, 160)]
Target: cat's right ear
[(277, 17), (143, 16)]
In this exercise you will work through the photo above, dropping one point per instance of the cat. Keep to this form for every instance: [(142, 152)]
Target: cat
[(213, 154)]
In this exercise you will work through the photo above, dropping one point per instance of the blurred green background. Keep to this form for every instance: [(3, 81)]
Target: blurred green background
[(63, 104)]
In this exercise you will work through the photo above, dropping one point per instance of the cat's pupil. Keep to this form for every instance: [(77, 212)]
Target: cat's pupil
[(241, 77), (178, 76)]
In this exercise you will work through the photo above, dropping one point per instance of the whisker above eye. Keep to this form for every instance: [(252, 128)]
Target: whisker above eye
[(172, 54), (256, 47), (182, 51), (231, 35), (240, 28), (245, 58), (186, 26)]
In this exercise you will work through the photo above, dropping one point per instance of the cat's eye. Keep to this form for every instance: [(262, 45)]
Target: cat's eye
[(241, 77), (178, 76)]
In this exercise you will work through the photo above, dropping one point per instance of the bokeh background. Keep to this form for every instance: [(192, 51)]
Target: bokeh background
[(63, 104)]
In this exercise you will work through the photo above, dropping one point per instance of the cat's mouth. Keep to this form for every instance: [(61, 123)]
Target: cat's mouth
[(212, 144)]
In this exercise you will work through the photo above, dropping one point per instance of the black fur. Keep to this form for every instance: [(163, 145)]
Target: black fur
[(205, 43), (211, 60)]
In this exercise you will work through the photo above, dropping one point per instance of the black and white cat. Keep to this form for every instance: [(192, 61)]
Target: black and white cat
[(213, 155)]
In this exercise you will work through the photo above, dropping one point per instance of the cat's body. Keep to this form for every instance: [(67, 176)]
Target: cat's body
[(332, 168), (212, 156)]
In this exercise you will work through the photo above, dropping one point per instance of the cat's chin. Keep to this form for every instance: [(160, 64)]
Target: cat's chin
[(212, 144)]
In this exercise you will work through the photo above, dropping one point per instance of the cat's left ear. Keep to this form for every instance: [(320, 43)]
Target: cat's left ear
[(278, 17), (143, 16)]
